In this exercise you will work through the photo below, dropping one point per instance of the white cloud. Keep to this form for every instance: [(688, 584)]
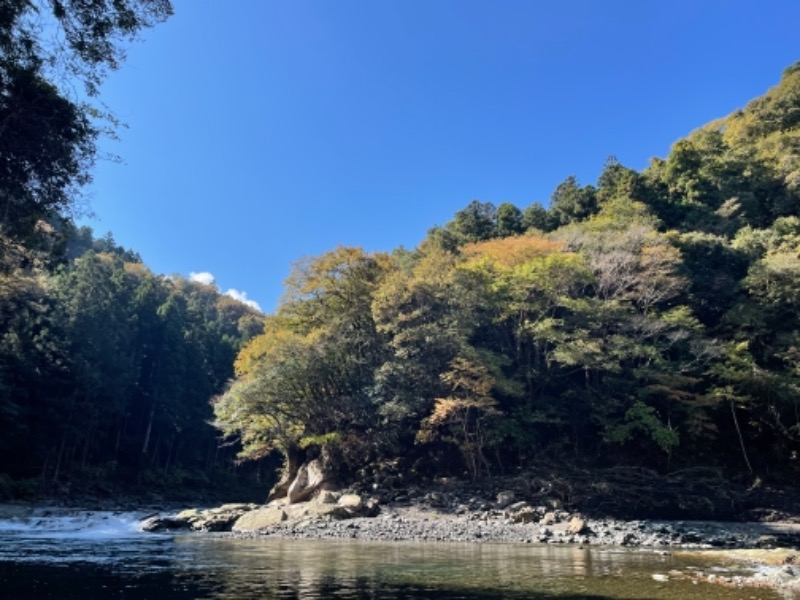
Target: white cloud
[(203, 277), (207, 278), (242, 297)]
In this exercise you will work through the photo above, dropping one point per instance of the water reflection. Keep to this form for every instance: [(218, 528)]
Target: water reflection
[(99, 555), (268, 568)]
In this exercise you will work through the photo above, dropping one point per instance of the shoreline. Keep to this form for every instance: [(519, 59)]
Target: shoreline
[(738, 554), (746, 554), (421, 523)]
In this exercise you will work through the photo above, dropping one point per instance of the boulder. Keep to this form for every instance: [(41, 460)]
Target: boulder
[(159, 523), (526, 515), (316, 512), (504, 499), (352, 502), (327, 497), (220, 518), (216, 522), (576, 525), (260, 518), (294, 460), (310, 477), (189, 515), (548, 519)]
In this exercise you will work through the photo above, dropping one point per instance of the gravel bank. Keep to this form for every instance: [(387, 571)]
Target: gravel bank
[(422, 523)]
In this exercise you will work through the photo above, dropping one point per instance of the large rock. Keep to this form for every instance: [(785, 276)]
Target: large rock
[(212, 519), (222, 521), (504, 499), (300, 478), (260, 518), (576, 525), (526, 515), (316, 511), (310, 477), (189, 515), (325, 507), (159, 523), (351, 502)]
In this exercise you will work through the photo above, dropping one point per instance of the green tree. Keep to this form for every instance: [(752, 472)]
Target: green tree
[(304, 386), (536, 217), (476, 222), (570, 202), (509, 220), (48, 136)]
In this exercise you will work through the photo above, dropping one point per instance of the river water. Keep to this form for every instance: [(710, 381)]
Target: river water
[(91, 555)]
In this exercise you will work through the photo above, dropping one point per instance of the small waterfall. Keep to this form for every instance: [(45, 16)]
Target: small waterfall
[(62, 536), (86, 525)]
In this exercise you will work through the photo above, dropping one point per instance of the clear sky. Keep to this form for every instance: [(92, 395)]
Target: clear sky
[(262, 131)]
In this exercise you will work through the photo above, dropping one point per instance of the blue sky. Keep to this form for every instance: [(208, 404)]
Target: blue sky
[(263, 131)]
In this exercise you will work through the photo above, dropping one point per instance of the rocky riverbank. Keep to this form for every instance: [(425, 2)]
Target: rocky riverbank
[(440, 517)]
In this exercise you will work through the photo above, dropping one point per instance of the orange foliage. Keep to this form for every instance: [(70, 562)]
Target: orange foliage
[(512, 251)]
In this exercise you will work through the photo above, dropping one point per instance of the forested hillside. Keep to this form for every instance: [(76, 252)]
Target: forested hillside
[(650, 320), (106, 370)]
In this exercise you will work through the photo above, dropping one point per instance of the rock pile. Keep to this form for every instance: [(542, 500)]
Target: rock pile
[(253, 518)]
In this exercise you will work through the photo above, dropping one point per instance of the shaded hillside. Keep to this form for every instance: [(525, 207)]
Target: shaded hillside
[(106, 370)]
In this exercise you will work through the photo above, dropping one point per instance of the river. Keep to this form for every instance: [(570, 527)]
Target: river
[(83, 555)]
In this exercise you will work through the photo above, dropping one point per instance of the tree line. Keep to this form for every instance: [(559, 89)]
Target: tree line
[(650, 319), (106, 369)]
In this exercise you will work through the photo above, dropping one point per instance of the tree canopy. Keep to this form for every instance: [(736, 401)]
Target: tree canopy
[(49, 133), (650, 319)]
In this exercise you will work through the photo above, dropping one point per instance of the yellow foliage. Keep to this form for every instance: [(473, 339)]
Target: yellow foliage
[(316, 276), (469, 377), (265, 346), (137, 270), (398, 296), (449, 409)]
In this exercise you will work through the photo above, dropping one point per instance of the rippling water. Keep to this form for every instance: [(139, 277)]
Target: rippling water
[(103, 555)]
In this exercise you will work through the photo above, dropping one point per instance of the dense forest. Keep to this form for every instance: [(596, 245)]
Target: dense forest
[(648, 320), (106, 369), (651, 319)]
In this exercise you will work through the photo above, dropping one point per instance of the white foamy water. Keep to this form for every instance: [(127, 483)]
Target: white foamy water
[(97, 537), (75, 525)]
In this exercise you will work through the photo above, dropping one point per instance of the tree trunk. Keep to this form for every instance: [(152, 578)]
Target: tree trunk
[(741, 439), (294, 457), (149, 428)]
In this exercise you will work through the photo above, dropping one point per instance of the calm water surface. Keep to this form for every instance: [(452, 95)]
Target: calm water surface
[(103, 555)]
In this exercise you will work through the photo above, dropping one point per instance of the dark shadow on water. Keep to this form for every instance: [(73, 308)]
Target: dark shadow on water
[(84, 581)]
